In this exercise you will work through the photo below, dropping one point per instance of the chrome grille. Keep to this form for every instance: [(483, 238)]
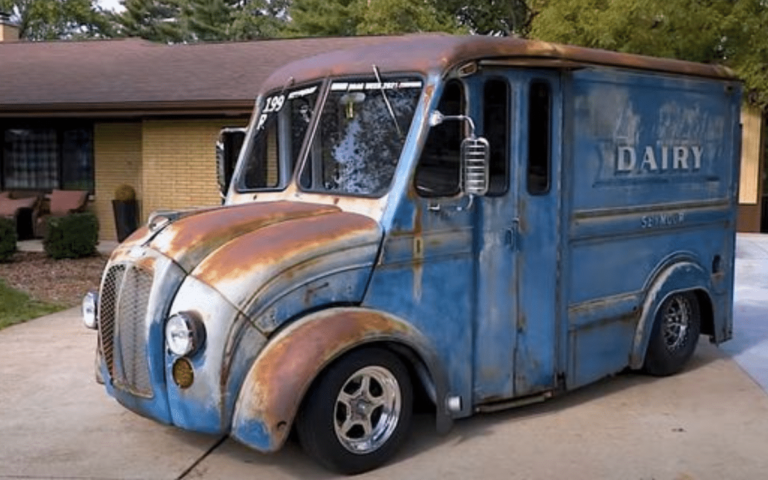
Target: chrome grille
[(124, 305), (107, 304)]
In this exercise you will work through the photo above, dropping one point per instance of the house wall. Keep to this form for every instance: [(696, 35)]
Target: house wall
[(179, 163), (171, 164), (750, 183), (117, 160)]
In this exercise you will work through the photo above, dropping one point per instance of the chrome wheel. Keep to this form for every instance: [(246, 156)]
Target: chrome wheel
[(367, 409), (676, 322)]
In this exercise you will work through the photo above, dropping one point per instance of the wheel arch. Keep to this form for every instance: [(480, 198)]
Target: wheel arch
[(685, 275), (283, 373)]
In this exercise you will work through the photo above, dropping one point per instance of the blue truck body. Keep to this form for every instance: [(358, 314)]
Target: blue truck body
[(614, 190)]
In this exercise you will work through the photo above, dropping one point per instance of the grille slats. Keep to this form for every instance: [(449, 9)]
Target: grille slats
[(108, 301), (124, 309)]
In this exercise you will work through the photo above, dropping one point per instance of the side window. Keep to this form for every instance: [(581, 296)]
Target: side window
[(437, 174), (261, 169), (496, 125), (539, 141)]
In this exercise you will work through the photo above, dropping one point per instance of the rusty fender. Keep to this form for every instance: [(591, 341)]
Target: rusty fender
[(682, 276), (283, 372)]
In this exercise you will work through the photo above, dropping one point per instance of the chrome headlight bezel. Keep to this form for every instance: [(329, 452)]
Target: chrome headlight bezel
[(184, 334), (89, 308)]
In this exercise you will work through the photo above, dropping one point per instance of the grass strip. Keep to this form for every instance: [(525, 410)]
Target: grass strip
[(17, 307)]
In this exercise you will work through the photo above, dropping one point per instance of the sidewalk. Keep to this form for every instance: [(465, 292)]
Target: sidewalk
[(104, 246), (749, 346)]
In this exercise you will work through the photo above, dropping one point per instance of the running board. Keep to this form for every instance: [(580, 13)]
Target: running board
[(516, 402)]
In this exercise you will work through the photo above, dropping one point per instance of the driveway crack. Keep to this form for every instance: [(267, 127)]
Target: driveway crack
[(203, 457)]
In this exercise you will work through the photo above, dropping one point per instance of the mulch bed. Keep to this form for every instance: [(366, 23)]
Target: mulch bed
[(63, 282)]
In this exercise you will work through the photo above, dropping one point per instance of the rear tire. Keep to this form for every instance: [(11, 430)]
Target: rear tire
[(674, 336), (358, 412)]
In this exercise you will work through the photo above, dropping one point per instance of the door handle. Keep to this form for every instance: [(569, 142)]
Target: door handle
[(511, 234)]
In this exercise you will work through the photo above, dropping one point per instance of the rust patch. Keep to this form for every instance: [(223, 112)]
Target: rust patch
[(270, 245), (522, 323), (418, 252), (189, 239), (286, 367), (437, 53)]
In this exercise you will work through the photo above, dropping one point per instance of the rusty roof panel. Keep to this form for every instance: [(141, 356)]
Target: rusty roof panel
[(437, 52)]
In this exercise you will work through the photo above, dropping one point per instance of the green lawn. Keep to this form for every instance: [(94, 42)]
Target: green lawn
[(17, 307)]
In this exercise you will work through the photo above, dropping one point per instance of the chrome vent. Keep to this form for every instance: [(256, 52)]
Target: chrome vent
[(107, 304), (123, 327)]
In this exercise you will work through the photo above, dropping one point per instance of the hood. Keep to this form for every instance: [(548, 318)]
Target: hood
[(253, 254), (195, 236)]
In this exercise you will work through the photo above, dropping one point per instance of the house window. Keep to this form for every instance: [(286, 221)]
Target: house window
[(46, 158)]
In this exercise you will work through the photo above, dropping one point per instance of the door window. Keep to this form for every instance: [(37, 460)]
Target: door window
[(496, 123), (539, 137), (437, 174)]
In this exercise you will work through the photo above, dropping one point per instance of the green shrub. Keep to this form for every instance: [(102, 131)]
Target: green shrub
[(72, 236), (125, 193), (7, 239)]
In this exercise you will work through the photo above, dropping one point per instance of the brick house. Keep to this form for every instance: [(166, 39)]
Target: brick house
[(95, 114)]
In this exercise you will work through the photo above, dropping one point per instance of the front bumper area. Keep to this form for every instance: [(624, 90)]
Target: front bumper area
[(136, 293)]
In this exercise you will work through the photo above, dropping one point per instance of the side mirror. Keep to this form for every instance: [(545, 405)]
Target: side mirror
[(475, 166), (228, 147)]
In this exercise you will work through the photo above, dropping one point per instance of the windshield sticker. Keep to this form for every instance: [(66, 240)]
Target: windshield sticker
[(302, 93), (351, 87)]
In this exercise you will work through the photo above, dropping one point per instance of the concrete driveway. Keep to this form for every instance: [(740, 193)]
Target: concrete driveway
[(710, 422)]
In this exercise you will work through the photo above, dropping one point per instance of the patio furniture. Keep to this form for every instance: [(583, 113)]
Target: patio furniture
[(21, 211), (60, 204)]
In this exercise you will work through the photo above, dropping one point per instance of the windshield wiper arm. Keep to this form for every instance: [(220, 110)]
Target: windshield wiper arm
[(386, 100)]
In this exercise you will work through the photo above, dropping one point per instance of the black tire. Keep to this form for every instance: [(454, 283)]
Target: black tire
[(674, 336), (333, 435)]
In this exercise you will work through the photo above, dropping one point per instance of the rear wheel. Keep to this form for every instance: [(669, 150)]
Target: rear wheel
[(674, 335), (358, 412)]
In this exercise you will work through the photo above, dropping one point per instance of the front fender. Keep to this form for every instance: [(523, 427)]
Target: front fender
[(682, 276), (285, 369)]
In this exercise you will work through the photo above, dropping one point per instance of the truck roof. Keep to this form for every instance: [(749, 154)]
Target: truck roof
[(426, 53)]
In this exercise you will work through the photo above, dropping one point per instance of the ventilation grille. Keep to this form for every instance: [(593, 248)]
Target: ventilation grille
[(123, 327)]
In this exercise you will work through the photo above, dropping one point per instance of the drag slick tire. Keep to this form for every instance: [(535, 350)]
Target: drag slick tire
[(358, 412), (674, 336)]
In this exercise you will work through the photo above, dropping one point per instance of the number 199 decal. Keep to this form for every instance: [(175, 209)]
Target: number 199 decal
[(274, 104)]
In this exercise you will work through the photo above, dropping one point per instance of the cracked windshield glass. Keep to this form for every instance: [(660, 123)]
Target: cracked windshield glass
[(362, 130), (287, 114)]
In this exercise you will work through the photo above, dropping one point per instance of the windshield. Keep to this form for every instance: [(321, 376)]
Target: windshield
[(361, 132), (280, 129)]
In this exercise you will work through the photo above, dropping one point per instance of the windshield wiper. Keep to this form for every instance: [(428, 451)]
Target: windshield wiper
[(386, 100)]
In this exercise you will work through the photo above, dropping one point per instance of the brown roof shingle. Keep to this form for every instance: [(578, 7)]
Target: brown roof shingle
[(133, 77)]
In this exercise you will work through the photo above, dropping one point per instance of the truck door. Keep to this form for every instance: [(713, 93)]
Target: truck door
[(517, 234)]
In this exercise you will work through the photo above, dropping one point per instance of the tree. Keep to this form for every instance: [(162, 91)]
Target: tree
[(155, 20), (57, 19), (491, 17), (402, 16), (368, 17), (323, 18), (175, 21), (709, 31)]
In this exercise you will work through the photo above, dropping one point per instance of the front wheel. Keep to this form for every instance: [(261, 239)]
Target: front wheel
[(674, 335), (358, 412)]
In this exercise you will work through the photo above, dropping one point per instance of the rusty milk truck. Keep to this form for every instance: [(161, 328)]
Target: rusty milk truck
[(485, 222)]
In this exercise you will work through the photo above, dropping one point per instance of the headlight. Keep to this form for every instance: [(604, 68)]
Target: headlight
[(184, 333), (89, 309)]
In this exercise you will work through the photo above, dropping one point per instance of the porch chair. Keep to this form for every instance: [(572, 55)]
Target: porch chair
[(60, 204), (21, 211)]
